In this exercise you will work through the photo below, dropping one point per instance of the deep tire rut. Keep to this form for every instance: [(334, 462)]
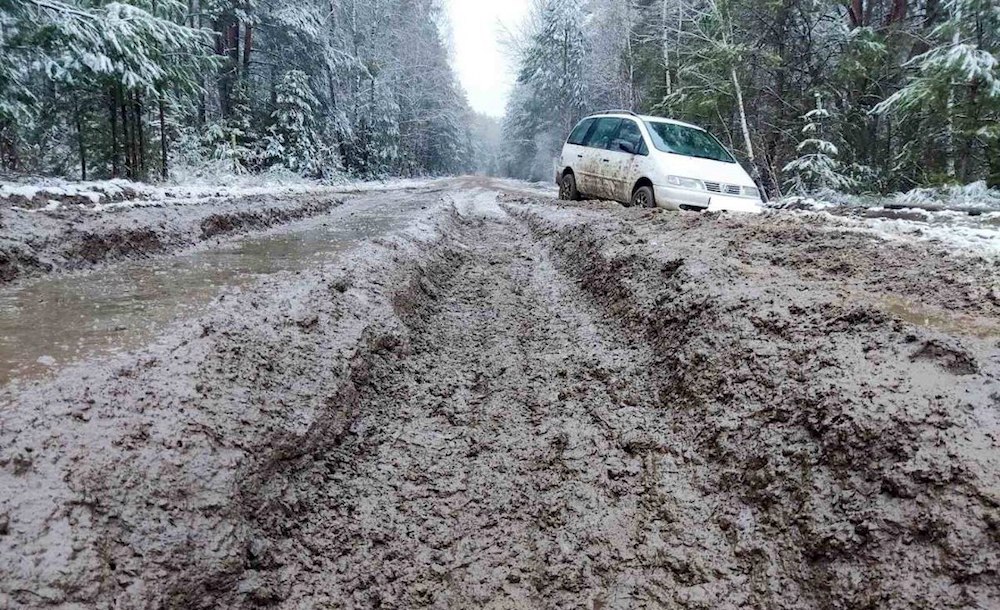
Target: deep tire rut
[(515, 459)]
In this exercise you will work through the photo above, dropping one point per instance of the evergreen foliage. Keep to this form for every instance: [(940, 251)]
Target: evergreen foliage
[(129, 88), (293, 141), (817, 168), (551, 90)]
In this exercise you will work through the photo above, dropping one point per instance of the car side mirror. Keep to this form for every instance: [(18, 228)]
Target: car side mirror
[(626, 147)]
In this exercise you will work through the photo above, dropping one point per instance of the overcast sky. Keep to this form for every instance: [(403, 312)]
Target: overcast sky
[(482, 67)]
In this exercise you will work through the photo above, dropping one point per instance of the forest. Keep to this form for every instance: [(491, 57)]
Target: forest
[(865, 96), (95, 89)]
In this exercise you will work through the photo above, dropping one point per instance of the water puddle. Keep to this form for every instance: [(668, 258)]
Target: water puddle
[(54, 321), (943, 321)]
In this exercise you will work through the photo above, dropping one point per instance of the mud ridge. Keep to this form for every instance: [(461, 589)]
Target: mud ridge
[(37, 242), (865, 479)]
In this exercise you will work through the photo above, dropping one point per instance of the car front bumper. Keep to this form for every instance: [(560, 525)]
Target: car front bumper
[(677, 199)]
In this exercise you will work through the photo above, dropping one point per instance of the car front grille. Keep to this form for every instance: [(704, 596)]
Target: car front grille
[(728, 189)]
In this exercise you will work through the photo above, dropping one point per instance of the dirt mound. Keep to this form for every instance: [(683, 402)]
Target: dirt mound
[(223, 224), (93, 248)]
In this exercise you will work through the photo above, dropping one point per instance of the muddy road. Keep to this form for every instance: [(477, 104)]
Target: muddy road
[(510, 402)]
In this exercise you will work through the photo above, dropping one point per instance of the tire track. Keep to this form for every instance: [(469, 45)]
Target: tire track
[(516, 459)]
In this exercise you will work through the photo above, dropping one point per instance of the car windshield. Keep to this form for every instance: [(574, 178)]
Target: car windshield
[(687, 141)]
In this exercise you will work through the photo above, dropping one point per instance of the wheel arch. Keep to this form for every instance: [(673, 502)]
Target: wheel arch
[(641, 182)]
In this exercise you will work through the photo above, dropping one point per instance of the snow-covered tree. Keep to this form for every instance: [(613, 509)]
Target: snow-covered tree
[(234, 139), (551, 87), (713, 65), (954, 91), (292, 141), (100, 80), (816, 169), (135, 53)]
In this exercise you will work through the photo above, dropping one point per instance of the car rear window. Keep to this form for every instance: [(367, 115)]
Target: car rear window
[(602, 135), (580, 133)]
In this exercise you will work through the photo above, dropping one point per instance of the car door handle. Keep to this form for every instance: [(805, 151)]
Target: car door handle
[(606, 160), (579, 156)]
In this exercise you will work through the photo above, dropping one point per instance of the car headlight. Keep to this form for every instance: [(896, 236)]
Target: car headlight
[(686, 183), (751, 191)]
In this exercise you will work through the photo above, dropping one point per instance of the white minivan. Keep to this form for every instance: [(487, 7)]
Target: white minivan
[(652, 162)]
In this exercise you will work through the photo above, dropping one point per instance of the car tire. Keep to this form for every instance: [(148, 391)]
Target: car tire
[(567, 188), (643, 197)]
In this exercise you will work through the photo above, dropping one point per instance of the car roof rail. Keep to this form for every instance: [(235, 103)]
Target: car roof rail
[(629, 112)]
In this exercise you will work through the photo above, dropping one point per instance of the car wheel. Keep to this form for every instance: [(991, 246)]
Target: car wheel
[(643, 197), (567, 188)]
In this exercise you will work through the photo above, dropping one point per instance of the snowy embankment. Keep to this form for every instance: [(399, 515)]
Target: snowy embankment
[(55, 225), (960, 218), (52, 194)]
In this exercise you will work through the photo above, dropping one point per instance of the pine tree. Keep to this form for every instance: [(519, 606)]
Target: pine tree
[(234, 140), (816, 169), (292, 141), (954, 93), (131, 53)]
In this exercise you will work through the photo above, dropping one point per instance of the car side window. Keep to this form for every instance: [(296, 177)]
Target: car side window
[(603, 133), (580, 133), (629, 133)]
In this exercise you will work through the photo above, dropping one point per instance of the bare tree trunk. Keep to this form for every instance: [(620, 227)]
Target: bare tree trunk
[(856, 13), (667, 77), (8, 145), (126, 135), (247, 48), (164, 170), (744, 125), (950, 118), (630, 56), (79, 141), (899, 10), (233, 46), (993, 165), (227, 46), (140, 132), (112, 106)]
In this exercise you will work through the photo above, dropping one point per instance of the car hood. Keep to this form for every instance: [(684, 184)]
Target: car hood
[(703, 169)]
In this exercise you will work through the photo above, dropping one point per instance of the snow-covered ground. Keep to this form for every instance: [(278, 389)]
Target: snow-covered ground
[(52, 193), (960, 218), (955, 231), (975, 197)]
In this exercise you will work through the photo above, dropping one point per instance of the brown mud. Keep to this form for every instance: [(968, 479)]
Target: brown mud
[(518, 403)]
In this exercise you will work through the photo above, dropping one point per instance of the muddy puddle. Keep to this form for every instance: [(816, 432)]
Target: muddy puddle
[(54, 321), (942, 321)]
